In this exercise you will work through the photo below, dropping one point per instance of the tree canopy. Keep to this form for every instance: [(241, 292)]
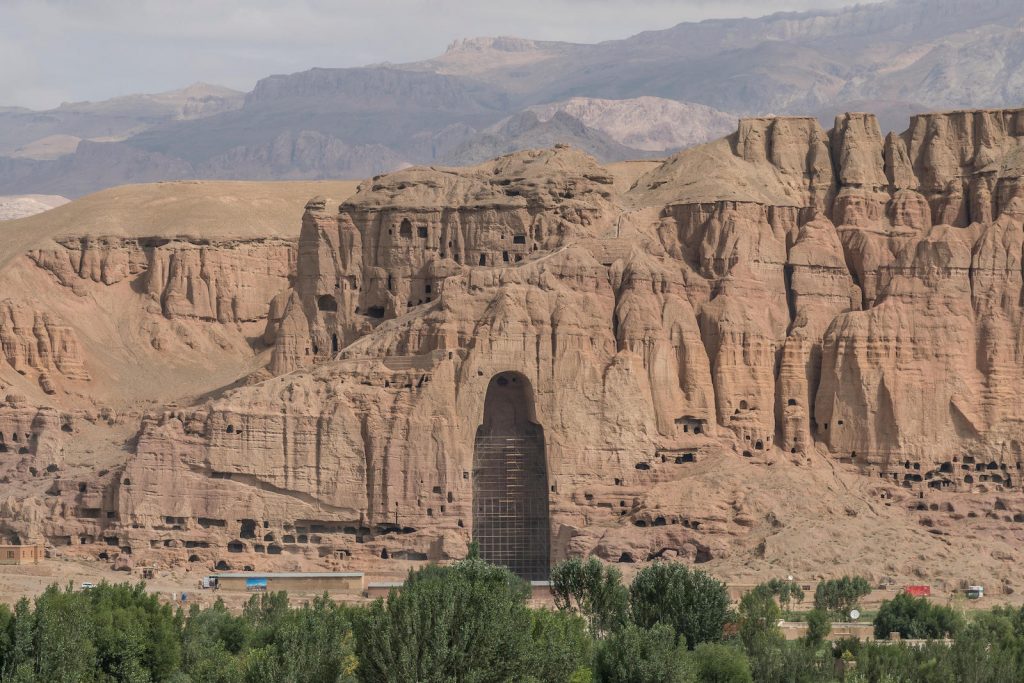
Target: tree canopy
[(840, 596), (693, 603)]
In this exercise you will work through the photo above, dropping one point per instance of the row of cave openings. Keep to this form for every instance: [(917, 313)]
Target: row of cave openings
[(19, 443), (970, 472), (294, 538), (314, 349), (664, 457), (15, 444), (701, 555), (947, 507), (514, 253), (326, 303)]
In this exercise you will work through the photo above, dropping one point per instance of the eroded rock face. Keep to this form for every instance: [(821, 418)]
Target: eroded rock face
[(33, 436), (784, 297), (407, 233), (229, 281), (39, 342)]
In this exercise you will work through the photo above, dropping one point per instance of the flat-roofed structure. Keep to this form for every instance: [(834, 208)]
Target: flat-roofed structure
[(21, 554), (381, 589), (349, 582)]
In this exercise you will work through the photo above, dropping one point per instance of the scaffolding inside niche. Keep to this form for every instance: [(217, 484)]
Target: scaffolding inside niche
[(510, 503)]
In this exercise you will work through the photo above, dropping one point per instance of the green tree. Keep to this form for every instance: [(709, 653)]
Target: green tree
[(996, 627), (21, 656), (801, 664), (915, 618), (759, 631), (639, 655), (582, 676), (263, 665), (819, 625), (902, 664), (718, 663), (786, 591), (594, 590), (309, 644), (758, 616), (64, 647), (1013, 615), (561, 648), (981, 654), (263, 614), (6, 636), (689, 600), (840, 596), (467, 622), (137, 638), (212, 643)]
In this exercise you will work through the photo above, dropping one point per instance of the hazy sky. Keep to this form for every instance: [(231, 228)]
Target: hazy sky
[(53, 51)]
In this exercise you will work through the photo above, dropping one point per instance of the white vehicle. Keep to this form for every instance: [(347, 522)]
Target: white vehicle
[(209, 582), (88, 585), (975, 592)]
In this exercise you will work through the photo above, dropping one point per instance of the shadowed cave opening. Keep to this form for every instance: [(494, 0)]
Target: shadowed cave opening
[(510, 488), (326, 302)]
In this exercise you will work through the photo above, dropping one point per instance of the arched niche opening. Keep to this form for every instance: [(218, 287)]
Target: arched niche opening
[(327, 303), (510, 481)]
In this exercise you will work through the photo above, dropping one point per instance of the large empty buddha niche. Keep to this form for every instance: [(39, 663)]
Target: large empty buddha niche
[(510, 488)]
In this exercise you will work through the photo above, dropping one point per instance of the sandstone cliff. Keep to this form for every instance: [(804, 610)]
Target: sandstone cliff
[(763, 346)]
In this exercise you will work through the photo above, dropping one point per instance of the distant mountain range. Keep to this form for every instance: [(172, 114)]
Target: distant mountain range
[(28, 205), (649, 94)]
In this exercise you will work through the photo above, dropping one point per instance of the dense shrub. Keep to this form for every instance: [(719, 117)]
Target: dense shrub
[(689, 600), (640, 655), (717, 663), (915, 618), (561, 647)]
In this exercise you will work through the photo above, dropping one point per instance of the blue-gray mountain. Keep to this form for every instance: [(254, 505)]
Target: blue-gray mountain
[(467, 104)]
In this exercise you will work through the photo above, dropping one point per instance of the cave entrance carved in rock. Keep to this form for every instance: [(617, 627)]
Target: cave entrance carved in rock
[(510, 481)]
